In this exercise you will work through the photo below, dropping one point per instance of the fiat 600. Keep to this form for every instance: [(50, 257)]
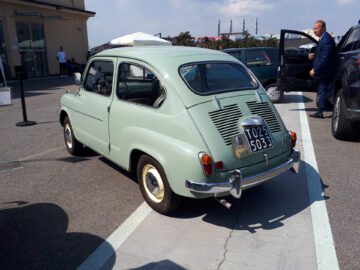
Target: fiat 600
[(188, 122)]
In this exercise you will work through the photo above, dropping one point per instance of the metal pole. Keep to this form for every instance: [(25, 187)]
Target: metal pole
[(23, 106)]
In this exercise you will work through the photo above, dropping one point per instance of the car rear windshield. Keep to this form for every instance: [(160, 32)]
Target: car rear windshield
[(210, 78)]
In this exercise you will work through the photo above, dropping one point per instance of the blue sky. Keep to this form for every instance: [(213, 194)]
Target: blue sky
[(115, 18)]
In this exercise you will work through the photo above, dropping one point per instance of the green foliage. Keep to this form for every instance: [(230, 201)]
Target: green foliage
[(185, 39)]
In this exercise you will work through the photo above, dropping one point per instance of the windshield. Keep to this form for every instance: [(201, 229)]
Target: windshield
[(210, 78)]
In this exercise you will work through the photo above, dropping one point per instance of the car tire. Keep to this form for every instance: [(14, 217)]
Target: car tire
[(73, 146), (155, 187), (275, 95), (340, 125)]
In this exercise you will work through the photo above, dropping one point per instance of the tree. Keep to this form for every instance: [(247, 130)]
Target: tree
[(184, 39)]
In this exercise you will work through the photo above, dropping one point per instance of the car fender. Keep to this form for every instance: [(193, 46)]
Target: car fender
[(178, 158)]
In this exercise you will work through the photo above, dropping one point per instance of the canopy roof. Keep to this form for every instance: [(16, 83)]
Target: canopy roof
[(139, 39)]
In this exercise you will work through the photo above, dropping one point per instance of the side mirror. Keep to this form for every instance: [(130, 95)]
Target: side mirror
[(77, 78)]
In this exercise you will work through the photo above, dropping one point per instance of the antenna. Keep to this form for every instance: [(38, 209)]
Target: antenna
[(256, 26), (218, 28)]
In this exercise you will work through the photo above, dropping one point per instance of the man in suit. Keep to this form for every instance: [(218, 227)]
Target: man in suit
[(324, 65)]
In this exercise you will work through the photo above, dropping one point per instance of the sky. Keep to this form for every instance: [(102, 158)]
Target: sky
[(115, 18)]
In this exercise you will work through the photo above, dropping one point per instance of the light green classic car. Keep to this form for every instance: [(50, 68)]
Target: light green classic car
[(188, 121)]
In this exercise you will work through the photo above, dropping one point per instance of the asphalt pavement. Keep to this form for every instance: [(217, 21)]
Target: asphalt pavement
[(63, 212)]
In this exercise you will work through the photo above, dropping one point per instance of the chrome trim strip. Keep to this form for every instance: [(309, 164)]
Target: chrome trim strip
[(88, 115)]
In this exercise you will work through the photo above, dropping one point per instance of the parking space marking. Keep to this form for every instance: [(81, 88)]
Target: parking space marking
[(101, 255), (42, 153), (324, 243)]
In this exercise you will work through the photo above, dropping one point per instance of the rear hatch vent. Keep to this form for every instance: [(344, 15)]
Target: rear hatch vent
[(265, 111), (226, 121)]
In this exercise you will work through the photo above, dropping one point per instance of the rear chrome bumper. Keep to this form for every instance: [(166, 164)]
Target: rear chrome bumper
[(236, 182)]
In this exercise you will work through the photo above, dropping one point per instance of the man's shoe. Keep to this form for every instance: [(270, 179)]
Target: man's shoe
[(318, 114)]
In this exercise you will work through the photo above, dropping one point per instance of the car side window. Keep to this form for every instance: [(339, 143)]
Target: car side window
[(139, 85), (236, 54), (353, 42), (257, 57), (99, 77)]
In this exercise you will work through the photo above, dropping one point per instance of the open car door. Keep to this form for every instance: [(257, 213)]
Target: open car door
[(294, 61)]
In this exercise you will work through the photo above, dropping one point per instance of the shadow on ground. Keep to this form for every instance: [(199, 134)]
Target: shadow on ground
[(295, 98), (40, 86), (34, 236), (262, 207)]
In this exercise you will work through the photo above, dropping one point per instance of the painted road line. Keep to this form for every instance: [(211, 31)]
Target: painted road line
[(324, 243), (101, 255)]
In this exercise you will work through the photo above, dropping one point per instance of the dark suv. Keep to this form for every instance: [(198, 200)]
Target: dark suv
[(294, 76), (263, 62)]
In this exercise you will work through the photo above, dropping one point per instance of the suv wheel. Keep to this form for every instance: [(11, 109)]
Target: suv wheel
[(340, 125), (155, 187), (273, 93)]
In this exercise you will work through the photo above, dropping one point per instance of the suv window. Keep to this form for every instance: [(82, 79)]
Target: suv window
[(210, 78), (236, 54), (139, 85), (353, 42), (99, 77), (262, 57)]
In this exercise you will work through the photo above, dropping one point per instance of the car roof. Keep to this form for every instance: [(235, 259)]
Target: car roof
[(167, 60)]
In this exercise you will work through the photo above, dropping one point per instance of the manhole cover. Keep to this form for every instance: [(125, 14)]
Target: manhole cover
[(10, 166)]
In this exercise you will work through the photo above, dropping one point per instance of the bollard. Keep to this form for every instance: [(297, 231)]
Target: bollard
[(25, 122)]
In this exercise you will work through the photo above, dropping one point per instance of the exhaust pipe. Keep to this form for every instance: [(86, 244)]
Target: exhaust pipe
[(224, 203)]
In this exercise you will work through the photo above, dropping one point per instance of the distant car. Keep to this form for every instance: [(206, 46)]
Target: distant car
[(294, 75), (187, 121), (263, 62)]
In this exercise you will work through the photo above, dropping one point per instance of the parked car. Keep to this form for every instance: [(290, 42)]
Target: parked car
[(294, 76), (263, 62), (187, 121)]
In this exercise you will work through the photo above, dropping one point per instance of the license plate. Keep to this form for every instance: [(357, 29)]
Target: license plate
[(259, 138)]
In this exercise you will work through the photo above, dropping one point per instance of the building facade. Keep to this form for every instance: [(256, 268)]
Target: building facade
[(31, 33)]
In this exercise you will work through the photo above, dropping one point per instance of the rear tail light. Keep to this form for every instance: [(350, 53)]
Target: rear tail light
[(292, 138), (206, 163)]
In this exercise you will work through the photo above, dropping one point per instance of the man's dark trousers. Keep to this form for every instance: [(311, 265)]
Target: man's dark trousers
[(325, 89)]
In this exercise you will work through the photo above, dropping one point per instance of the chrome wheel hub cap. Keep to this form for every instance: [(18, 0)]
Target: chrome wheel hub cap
[(273, 93), (153, 183), (336, 113), (68, 138)]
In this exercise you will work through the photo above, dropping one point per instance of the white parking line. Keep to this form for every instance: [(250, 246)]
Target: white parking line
[(324, 244), (100, 256)]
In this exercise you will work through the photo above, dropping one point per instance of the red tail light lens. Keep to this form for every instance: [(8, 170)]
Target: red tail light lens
[(292, 138), (219, 165), (206, 163)]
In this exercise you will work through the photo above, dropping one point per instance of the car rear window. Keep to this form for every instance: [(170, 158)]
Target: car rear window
[(210, 78)]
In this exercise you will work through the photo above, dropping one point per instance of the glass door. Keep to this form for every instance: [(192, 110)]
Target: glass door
[(32, 49), (3, 54)]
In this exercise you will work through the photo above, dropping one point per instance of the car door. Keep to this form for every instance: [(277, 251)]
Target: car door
[(263, 62), (295, 64), (348, 59), (93, 101), (254, 59)]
